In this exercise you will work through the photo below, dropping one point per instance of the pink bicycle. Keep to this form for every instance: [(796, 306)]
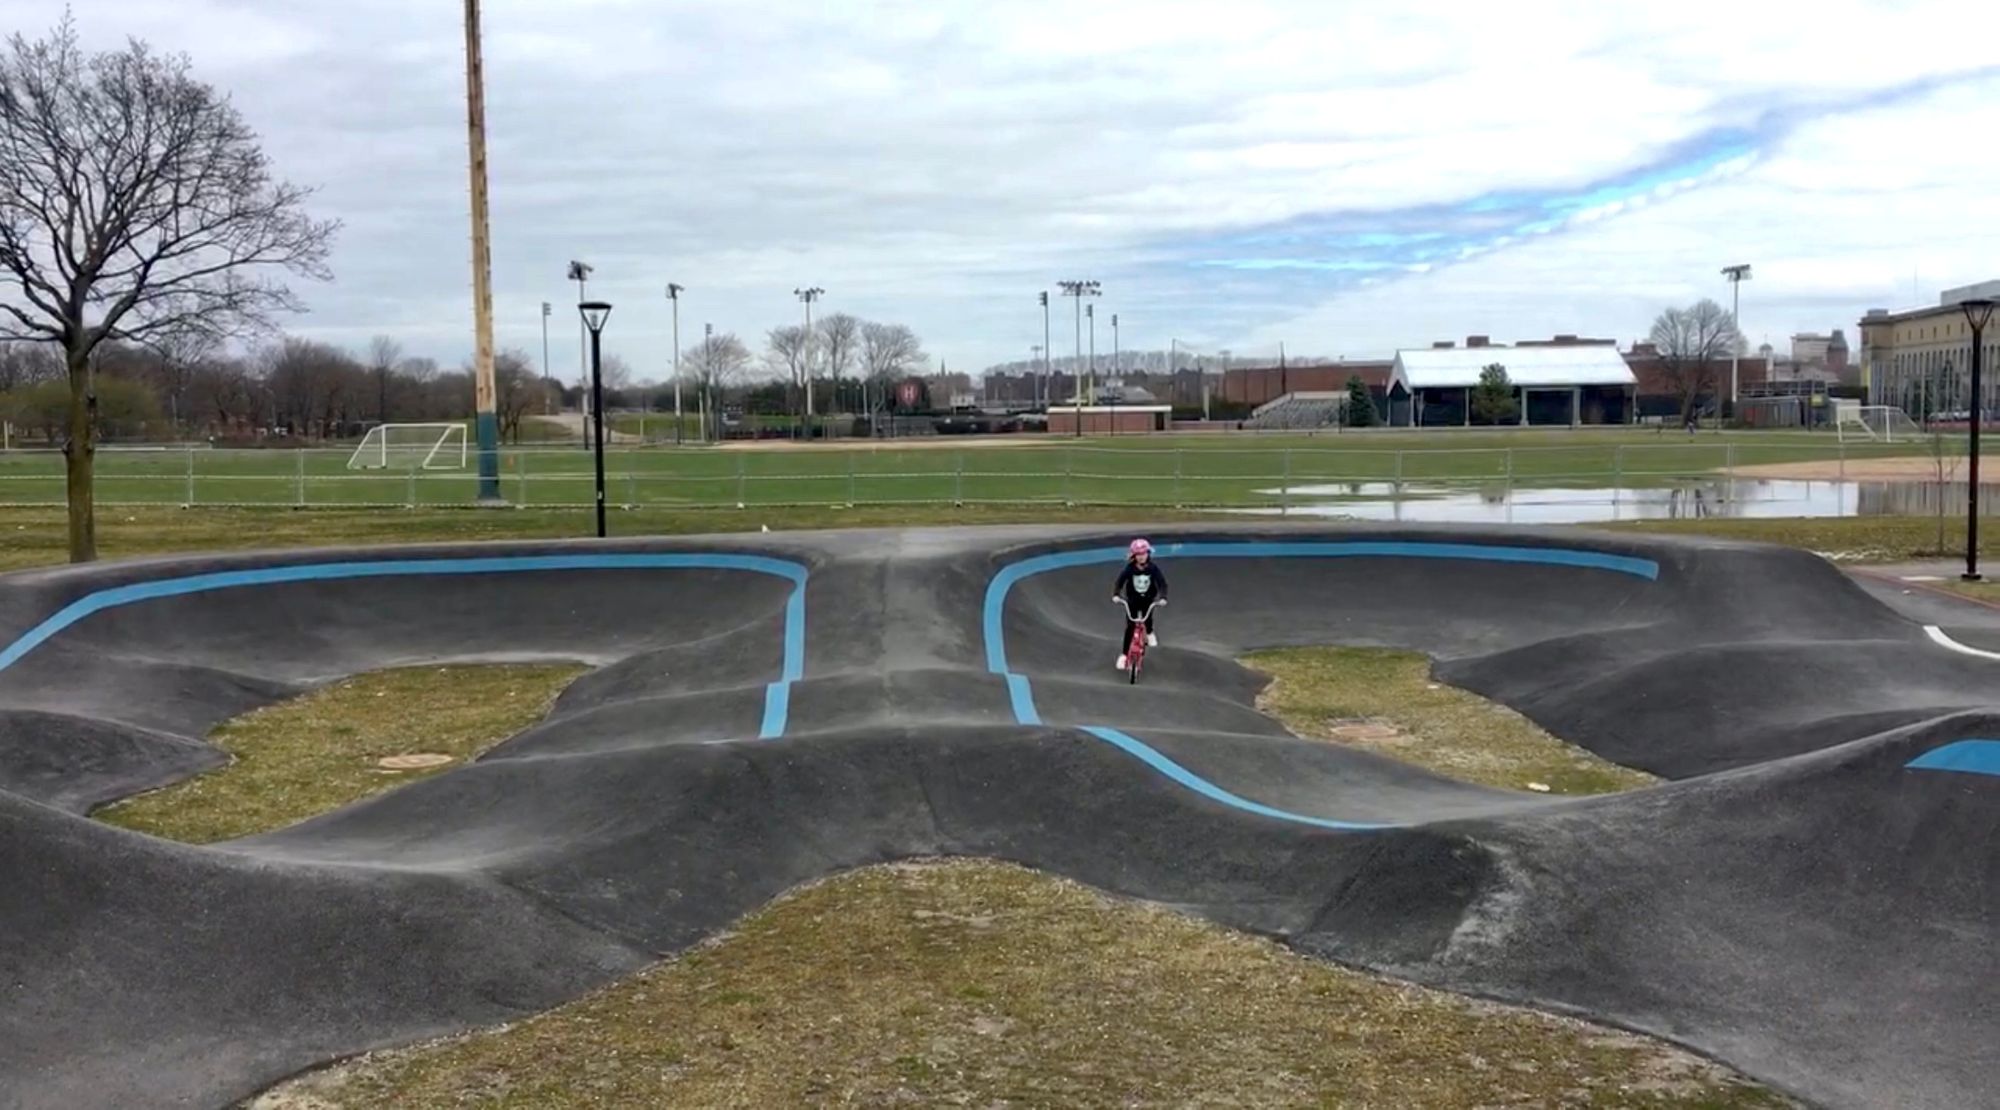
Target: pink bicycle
[(1135, 651)]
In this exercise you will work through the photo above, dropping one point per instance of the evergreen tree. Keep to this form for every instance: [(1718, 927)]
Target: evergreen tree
[(1360, 406), (1493, 398)]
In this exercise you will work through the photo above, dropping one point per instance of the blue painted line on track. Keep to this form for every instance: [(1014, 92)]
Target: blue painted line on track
[(1151, 757), (1977, 757), (777, 696), (1021, 695)]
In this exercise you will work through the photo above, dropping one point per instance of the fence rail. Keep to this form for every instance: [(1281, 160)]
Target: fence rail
[(1185, 477)]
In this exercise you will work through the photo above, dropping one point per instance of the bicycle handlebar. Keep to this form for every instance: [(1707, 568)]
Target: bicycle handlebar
[(1125, 605)]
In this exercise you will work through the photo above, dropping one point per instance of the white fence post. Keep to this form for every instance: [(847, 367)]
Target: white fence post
[(190, 478), (301, 456), (741, 481), (958, 482), (850, 479), (1178, 453)]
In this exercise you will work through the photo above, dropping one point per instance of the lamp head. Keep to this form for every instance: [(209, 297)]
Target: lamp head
[(595, 313), (1978, 311)]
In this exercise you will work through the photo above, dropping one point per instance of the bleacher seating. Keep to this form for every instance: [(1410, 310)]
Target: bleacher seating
[(1299, 411)]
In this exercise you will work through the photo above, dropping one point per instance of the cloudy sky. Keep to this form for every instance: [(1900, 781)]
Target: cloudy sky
[(1337, 176)]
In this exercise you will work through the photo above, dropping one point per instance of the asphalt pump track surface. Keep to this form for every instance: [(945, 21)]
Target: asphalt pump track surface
[(1811, 897)]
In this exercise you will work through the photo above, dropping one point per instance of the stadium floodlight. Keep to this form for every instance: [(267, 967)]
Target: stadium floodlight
[(808, 295), (595, 314), (1079, 289), (674, 292), (1978, 313), (1737, 275)]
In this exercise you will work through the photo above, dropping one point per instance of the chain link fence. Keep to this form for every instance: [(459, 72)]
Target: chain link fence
[(1248, 476)]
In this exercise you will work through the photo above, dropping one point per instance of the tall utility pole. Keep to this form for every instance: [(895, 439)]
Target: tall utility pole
[(1736, 275), (483, 393), (1090, 314), (1048, 350), (674, 294), (579, 272), (1117, 361), (548, 384), (1079, 290), (708, 374), (806, 347)]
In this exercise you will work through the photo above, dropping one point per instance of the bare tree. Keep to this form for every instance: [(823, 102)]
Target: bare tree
[(616, 372), (384, 356), (789, 353), (713, 366), (888, 352), (134, 200), (840, 338), (26, 364), (519, 389), (1693, 344)]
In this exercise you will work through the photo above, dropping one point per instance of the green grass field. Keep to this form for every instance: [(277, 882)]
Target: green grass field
[(1189, 470)]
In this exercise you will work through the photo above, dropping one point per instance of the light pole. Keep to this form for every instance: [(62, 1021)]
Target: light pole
[(579, 272), (1033, 363), (548, 384), (485, 397), (1736, 275), (1117, 373), (674, 294), (808, 296), (1978, 312), (1048, 351), (1079, 290), (707, 376), (594, 314), (1090, 315)]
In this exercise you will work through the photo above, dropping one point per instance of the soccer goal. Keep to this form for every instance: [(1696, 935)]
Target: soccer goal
[(411, 447), (1877, 424)]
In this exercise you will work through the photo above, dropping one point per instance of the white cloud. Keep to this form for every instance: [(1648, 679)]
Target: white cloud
[(939, 161)]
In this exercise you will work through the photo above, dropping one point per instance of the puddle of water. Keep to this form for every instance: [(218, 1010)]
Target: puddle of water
[(1719, 497)]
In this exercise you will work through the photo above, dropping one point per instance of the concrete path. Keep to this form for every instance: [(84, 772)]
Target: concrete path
[(1811, 897)]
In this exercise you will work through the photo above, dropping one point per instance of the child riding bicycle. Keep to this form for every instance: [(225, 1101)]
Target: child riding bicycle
[(1141, 585)]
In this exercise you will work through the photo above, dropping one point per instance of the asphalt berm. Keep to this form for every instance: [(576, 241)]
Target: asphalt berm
[(1810, 897)]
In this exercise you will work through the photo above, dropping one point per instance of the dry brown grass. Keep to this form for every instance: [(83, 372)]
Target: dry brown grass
[(316, 753), (980, 984), (1325, 693)]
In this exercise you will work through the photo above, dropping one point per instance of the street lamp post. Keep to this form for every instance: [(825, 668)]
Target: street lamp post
[(707, 376), (1978, 312), (806, 347), (674, 294), (1079, 290), (594, 314), (1736, 275)]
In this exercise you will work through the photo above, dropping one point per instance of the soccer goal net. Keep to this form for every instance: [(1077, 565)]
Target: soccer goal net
[(411, 447), (1878, 424)]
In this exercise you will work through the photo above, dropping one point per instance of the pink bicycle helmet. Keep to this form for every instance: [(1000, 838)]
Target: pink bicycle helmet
[(1141, 547)]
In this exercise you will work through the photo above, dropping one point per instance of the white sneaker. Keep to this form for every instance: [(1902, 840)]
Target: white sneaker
[(1121, 662), (1152, 640)]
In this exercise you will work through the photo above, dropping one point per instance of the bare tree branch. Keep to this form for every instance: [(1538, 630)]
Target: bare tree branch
[(1693, 343), (136, 205)]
